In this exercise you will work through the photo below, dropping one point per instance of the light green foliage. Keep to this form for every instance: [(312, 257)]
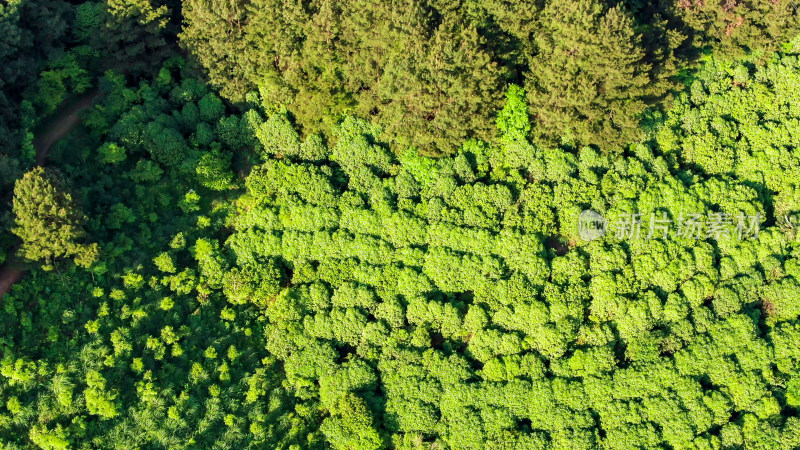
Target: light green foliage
[(111, 153), (276, 135), (621, 326), (214, 170), (513, 121), (99, 400), (48, 220), (738, 120), (209, 261)]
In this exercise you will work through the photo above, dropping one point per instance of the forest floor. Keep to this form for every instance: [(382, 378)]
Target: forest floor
[(8, 276), (61, 123), (55, 128)]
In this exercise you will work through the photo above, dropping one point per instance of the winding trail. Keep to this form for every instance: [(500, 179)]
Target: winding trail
[(54, 129), (61, 124), (8, 276)]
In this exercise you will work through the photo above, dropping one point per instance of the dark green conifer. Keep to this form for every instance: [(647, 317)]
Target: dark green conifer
[(589, 80)]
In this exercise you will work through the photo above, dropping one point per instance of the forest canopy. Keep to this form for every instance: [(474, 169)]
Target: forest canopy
[(357, 225), (432, 73)]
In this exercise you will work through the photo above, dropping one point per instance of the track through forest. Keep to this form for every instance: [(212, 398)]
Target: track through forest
[(64, 120), (61, 123)]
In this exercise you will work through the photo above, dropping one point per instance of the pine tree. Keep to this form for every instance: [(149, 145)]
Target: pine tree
[(213, 33), (589, 80), (48, 220), (733, 27), (436, 94), (516, 18), (328, 75), (133, 34), (417, 71)]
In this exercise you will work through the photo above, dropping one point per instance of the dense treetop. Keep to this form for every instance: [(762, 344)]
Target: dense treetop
[(432, 73), (355, 225), (48, 221), (343, 295)]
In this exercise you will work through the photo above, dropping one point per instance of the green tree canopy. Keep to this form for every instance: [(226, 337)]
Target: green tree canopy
[(589, 79), (49, 222)]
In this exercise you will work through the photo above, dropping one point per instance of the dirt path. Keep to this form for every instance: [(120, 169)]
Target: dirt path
[(8, 276), (55, 128), (62, 123)]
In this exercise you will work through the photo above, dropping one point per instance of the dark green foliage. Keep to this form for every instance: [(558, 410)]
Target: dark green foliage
[(50, 54), (431, 73), (424, 78), (140, 350), (32, 33), (731, 28), (589, 79), (130, 32), (63, 77)]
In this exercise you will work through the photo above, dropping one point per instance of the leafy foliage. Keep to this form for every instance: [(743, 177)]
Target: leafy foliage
[(299, 275), (737, 120)]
